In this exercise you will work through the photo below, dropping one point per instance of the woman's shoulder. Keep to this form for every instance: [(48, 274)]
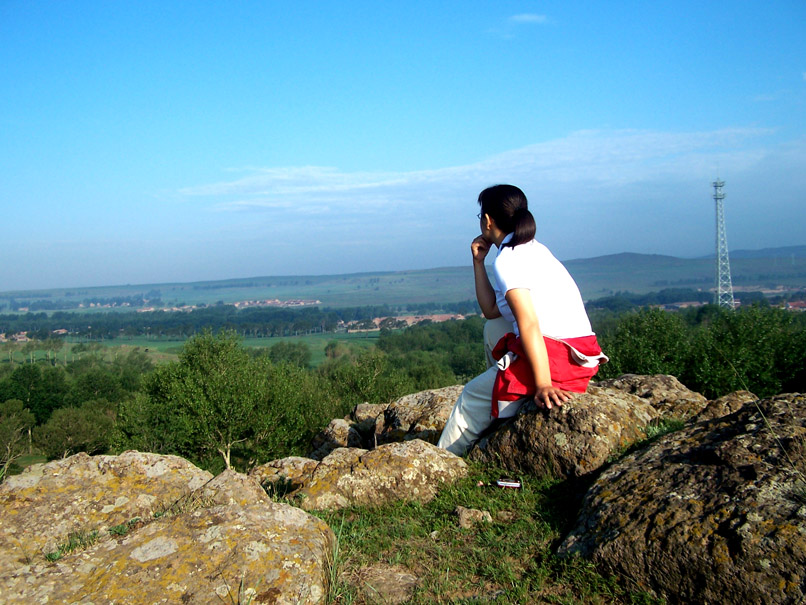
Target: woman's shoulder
[(530, 248)]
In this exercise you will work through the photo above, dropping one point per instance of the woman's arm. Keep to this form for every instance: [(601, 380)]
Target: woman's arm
[(520, 301), (485, 294)]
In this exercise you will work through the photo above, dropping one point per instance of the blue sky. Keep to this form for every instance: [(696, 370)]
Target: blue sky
[(147, 142)]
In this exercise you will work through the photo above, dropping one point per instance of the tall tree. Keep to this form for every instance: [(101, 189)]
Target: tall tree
[(217, 391)]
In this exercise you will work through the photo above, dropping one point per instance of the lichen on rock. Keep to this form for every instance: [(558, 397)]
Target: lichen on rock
[(154, 529), (568, 441), (715, 512), (411, 470)]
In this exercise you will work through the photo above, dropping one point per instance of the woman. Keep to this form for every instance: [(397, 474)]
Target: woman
[(534, 297)]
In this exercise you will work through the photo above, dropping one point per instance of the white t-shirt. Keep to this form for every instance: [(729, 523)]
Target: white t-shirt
[(556, 298)]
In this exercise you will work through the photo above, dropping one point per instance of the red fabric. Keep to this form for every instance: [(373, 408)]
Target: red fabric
[(518, 381)]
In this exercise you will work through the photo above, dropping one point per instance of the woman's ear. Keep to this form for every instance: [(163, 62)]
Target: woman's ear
[(487, 221)]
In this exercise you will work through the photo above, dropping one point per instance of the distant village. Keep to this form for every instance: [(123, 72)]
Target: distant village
[(366, 325), (243, 304)]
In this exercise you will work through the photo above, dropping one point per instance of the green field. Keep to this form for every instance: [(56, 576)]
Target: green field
[(317, 342), (452, 284), (162, 350)]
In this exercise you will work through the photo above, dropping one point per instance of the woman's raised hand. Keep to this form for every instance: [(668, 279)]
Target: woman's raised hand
[(479, 248)]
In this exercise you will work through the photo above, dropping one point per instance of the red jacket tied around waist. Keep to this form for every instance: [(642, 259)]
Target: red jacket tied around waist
[(572, 362)]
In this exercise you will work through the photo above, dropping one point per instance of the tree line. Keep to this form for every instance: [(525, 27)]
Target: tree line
[(222, 404), (255, 321)]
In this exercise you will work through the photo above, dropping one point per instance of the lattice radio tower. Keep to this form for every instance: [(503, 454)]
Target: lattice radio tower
[(723, 293)]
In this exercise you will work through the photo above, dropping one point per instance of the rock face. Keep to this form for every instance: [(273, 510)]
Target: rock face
[(339, 433), (419, 416), (231, 487), (263, 553), (87, 493), (727, 404), (411, 470), (569, 441), (154, 529), (286, 474), (665, 393), (715, 512), (368, 418)]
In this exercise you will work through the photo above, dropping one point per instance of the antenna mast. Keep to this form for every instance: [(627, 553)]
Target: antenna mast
[(723, 292)]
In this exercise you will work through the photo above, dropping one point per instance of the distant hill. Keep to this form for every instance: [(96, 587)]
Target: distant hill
[(597, 277), (784, 252)]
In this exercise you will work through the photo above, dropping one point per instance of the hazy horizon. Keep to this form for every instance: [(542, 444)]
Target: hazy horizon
[(739, 254), (164, 142)]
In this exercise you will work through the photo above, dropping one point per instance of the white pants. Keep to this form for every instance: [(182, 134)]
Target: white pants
[(473, 410)]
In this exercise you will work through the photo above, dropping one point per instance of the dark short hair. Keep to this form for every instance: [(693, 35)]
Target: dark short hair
[(508, 207)]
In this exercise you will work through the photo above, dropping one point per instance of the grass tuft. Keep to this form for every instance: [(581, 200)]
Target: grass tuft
[(77, 540), (664, 427), (124, 528)]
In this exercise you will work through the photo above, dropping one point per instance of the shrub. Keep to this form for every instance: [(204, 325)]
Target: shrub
[(69, 430), (650, 341)]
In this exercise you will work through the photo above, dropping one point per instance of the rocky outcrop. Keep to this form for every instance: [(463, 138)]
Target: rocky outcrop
[(418, 416), (727, 404), (663, 392), (285, 475), (368, 419), (231, 487), (568, 441), (104, 529), (411, 470), (262, 553), (43, 506), (715, 512), (339, 433)]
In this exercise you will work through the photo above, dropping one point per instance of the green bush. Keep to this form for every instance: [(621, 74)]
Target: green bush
[(70, 430), (221, 407), (711, 350), (650, 341), (757, 348), (372, 378)]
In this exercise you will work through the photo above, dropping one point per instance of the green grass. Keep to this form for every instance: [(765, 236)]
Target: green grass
[(79, 540), (30, 459), (510, 560), (124, 528)]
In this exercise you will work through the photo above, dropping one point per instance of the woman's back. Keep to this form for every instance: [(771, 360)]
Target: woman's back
[(556, 298)]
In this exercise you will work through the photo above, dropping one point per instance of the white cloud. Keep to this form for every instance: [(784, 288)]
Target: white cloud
[(627, 190), (594, 159), (529, 18)]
